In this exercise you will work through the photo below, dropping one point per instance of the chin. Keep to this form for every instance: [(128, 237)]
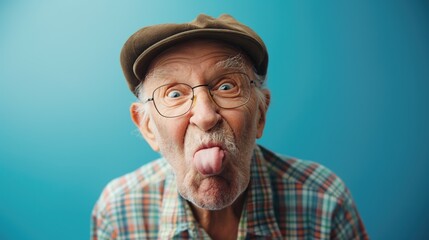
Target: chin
[(213, 202), (213, 193)]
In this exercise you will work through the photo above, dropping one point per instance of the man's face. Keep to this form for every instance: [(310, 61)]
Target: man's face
[(209, 148)]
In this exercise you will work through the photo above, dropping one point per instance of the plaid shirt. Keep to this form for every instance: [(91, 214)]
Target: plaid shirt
[(286, 199)]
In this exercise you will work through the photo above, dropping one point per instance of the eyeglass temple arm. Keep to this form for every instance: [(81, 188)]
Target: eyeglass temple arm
[(148, 100)]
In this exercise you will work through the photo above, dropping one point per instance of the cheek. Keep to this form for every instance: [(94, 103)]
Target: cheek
[(242, 122), (170, 137)]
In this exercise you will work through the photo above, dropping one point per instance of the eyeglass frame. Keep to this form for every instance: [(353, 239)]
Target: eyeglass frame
[(251, 82)]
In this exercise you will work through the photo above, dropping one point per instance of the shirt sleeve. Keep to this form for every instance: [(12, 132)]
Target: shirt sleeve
[(346, 222), (101, 228)]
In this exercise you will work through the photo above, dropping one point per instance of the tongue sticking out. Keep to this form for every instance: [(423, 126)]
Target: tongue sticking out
[(208, 161)]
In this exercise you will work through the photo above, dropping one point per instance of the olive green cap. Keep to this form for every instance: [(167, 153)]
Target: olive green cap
[(145, 44)]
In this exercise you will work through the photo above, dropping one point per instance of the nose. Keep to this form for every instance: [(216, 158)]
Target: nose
[(204, 112)]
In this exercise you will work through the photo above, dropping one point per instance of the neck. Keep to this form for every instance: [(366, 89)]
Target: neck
[(220, 224)]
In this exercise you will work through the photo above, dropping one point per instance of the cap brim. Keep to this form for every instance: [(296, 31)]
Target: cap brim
[(250, 47)]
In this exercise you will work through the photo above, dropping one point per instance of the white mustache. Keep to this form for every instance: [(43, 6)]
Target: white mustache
[(217, 136)]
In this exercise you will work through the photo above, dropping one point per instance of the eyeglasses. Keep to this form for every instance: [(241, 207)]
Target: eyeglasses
[(231, 90)]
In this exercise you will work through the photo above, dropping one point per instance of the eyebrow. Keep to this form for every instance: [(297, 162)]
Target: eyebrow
[(236, 62), (159, 74)]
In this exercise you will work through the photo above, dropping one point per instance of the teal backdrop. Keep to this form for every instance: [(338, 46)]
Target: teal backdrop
[(349, 83)]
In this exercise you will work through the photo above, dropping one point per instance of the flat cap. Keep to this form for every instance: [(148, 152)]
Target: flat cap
[(145, 44)]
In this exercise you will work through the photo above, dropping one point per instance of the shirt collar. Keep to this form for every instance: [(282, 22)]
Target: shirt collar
[(176, 216), (261, 220)]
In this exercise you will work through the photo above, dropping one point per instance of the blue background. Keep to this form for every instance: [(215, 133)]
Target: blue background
[(349, 81)]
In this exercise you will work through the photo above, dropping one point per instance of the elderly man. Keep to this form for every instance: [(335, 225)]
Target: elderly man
[(202, 105)]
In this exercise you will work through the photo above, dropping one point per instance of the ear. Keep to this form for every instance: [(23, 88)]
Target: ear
[(263, 113), (144, 125)]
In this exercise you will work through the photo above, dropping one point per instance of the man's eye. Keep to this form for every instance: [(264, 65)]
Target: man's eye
[(225, 87), (174, 94)]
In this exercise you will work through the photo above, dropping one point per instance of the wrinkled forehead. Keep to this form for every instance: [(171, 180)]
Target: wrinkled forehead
[(212, 56)]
